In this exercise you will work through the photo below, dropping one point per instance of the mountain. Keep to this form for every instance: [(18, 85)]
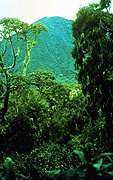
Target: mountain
[(53, 49)]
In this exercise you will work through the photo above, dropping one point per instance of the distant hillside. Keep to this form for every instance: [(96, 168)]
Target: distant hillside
[(53, 50)]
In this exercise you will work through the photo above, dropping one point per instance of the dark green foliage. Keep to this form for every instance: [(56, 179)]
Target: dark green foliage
[(99, 167), (45, 122), (48, 105), (104, 4), (42, 119), (93, 33), (54, 130), (9, 170), (12, 29)]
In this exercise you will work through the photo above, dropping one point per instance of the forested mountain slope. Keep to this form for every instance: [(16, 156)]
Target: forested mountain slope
[(52, 51)]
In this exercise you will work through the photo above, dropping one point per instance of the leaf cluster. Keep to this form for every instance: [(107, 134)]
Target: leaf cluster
[(93, 33)]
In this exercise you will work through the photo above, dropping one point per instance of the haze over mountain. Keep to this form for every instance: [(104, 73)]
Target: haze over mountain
[(53, 49)]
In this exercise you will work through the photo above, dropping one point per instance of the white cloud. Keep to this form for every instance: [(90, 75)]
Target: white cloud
[(31, 10)]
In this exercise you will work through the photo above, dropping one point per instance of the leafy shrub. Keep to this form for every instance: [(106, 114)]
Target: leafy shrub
[(43, 102), (21, 134), (99, 167), (50, 159), (46, 121)]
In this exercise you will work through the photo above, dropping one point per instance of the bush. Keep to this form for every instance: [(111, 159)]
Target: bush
[(38, 102), (45, 122)]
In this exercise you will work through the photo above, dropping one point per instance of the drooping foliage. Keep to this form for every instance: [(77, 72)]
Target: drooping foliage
[(93, 51)]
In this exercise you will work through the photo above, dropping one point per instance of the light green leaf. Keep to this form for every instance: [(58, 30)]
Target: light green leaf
[(53, 172), (80, 155), (98, 164)]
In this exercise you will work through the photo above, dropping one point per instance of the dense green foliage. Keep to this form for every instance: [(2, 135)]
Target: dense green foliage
[(105, 4), (43, 117), (10, 27), (45, 125), (93, 32), (52, 130)]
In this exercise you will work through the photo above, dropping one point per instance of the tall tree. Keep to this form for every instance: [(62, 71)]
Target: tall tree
[(11, 28), (93, 52)]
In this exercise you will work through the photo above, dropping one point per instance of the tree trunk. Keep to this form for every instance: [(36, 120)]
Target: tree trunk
[(6, 97)]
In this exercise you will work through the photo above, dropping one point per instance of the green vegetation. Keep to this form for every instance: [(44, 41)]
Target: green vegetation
[(9, 29), (43, 117), (53, 130), (93, 31), (52, 51)]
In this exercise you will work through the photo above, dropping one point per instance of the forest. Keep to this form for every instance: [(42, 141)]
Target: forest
[(52, 130)]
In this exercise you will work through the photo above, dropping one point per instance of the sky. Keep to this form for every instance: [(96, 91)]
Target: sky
[(32, 10)]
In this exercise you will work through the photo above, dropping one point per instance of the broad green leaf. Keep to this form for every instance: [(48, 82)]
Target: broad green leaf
[(110, 173), (53, 172), (80, 155), (98, 164), (105, 166)]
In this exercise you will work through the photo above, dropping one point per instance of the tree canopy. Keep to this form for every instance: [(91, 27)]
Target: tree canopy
[(11, 28), (104, 4), (93, 51), (14, 28)]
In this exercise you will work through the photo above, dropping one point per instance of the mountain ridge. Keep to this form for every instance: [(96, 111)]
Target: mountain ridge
[(53, 50), (60, 32)]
